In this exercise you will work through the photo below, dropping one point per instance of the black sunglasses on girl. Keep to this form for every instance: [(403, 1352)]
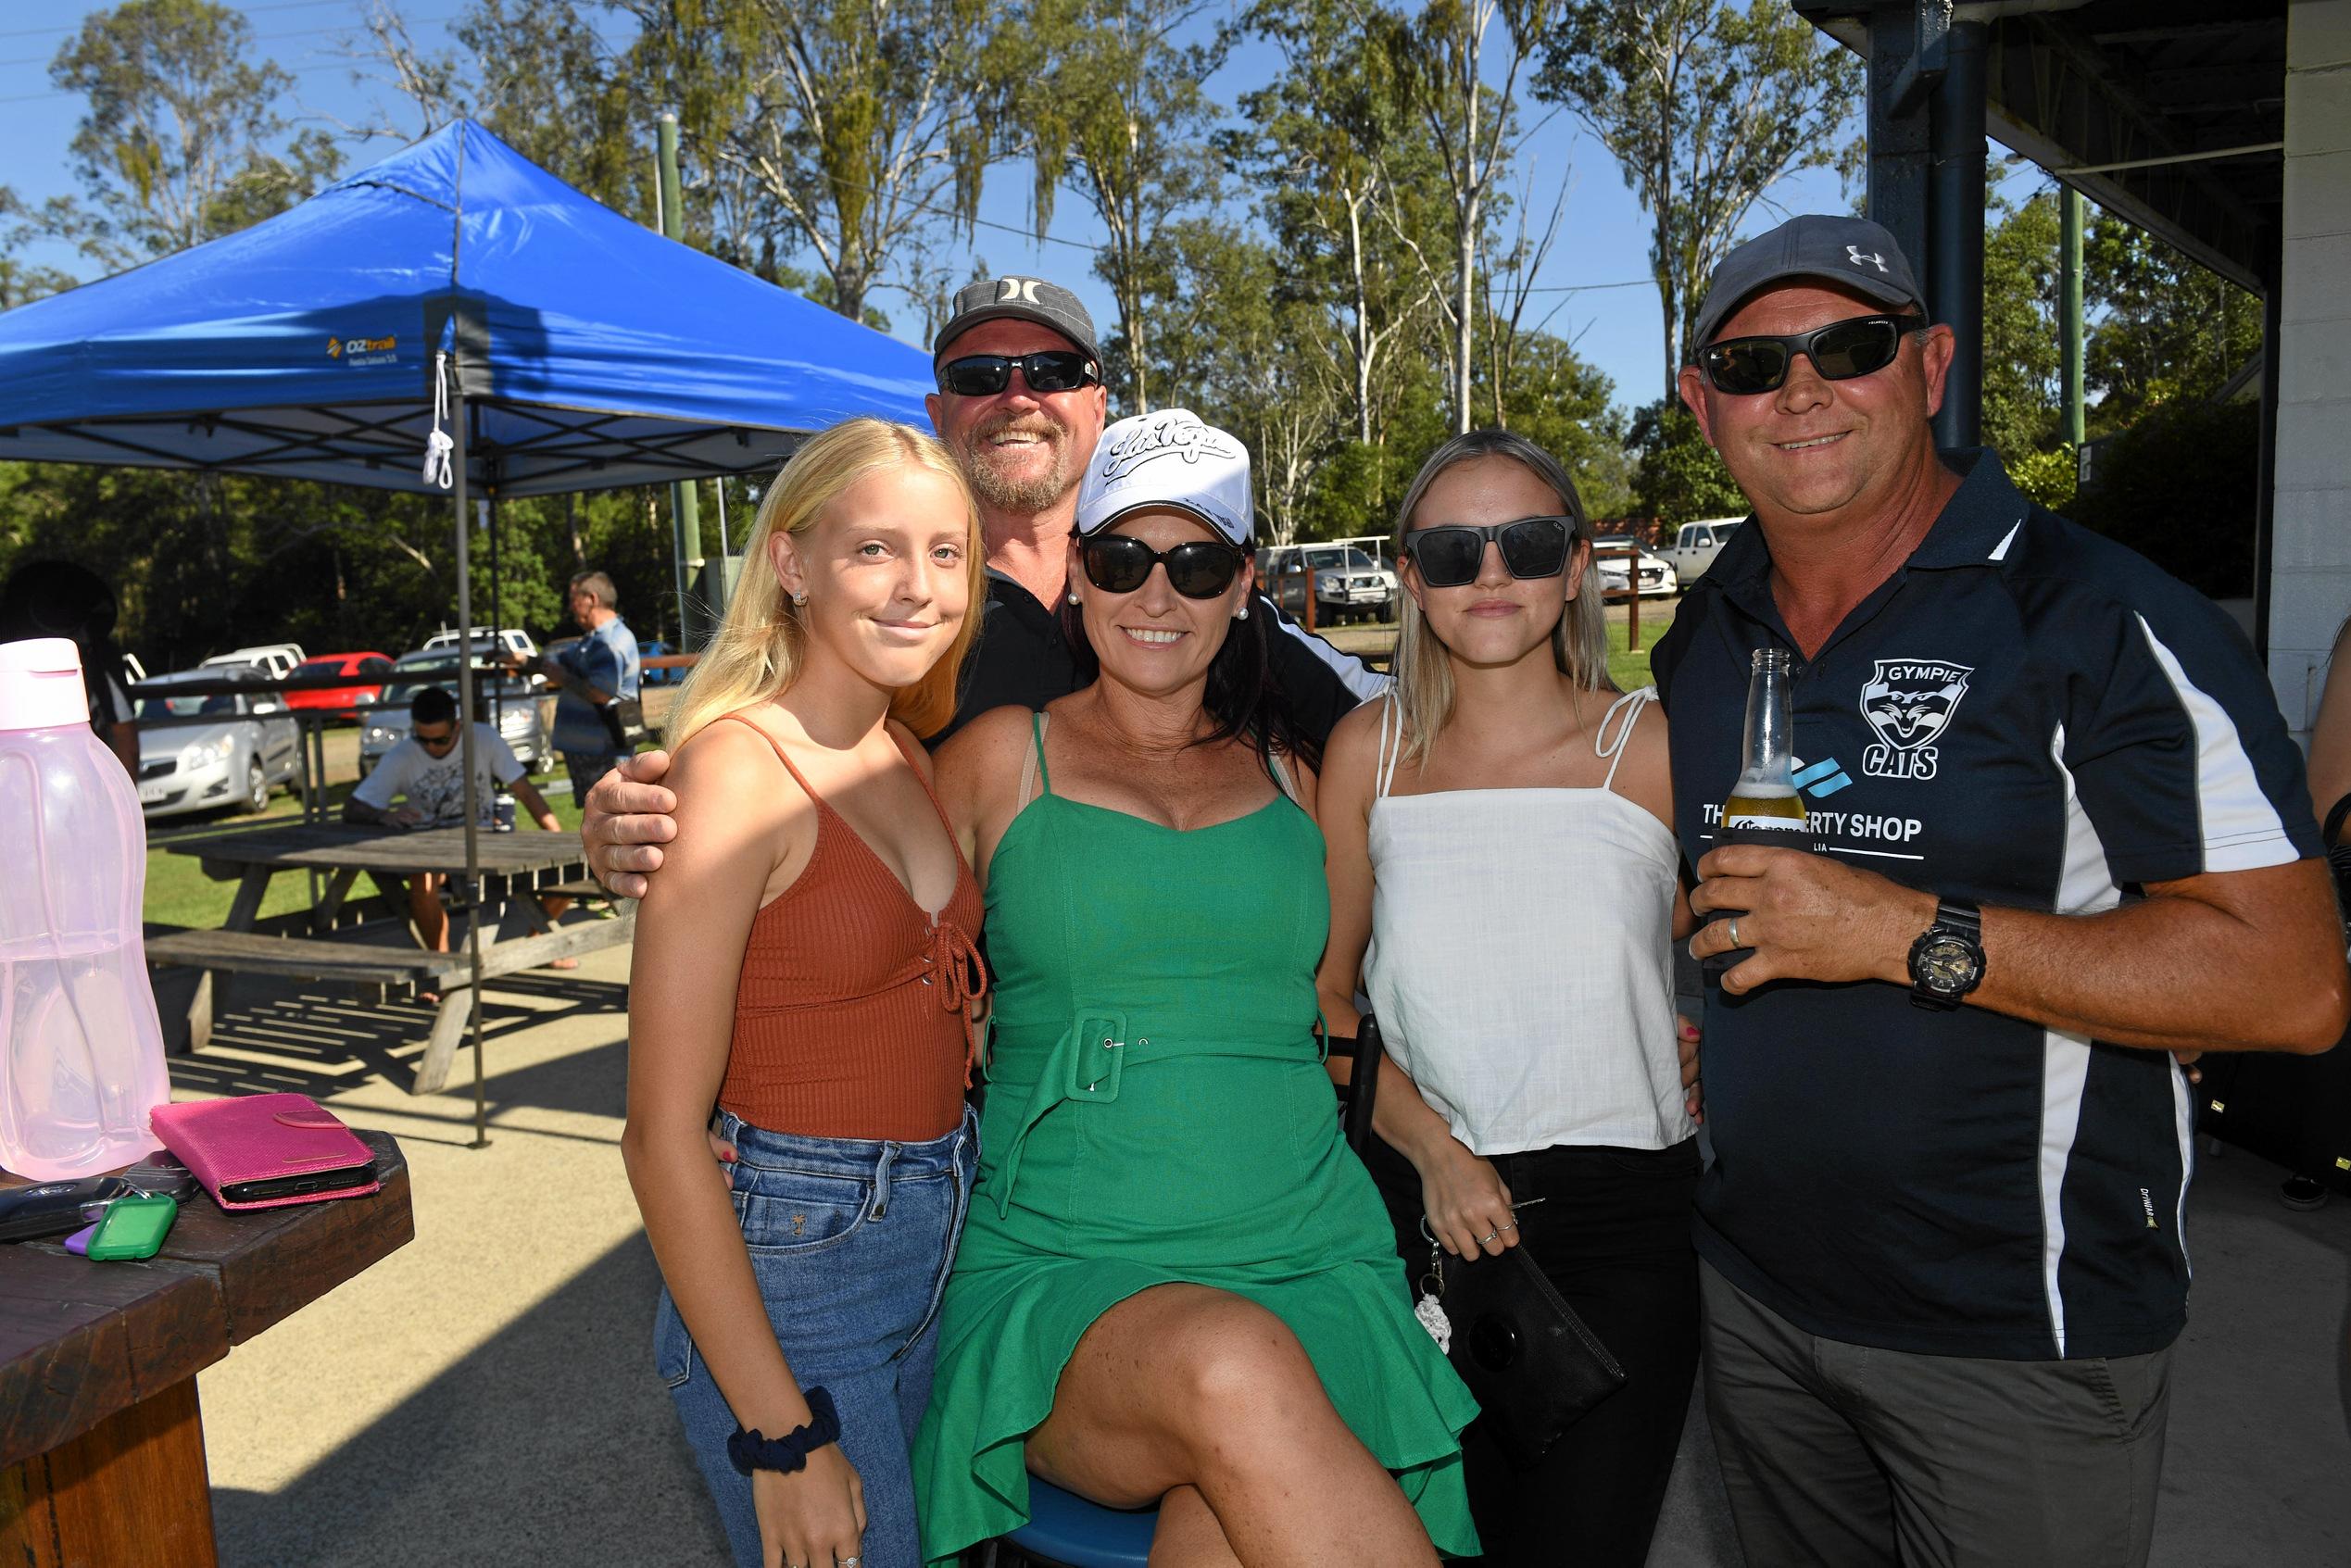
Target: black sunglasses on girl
[(1840, 351), (1198, 568), (1448, 556), (985, 375)]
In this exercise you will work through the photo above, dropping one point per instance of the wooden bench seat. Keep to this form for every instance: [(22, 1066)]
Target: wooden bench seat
[(383, 968)]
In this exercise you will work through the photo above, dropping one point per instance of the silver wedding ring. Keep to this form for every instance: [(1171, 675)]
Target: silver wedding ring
[(1488, 1237), (847, 1561), (1730, 929)]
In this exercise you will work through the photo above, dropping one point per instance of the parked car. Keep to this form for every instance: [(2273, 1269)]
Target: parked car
[(234, 760), (275, 660), (1350, 582), (1620, 556), (512, 640), (517, 702), (364, 671), (1696, 544)]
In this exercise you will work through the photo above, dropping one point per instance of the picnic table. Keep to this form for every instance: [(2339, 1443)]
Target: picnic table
[(101, 1436), (516, 869)]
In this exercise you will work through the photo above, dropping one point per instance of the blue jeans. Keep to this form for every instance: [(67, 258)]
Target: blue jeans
[(851, 1241)]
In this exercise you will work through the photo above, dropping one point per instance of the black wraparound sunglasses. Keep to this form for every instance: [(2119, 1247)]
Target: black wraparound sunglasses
[(983, 375), (1449, 555), (1198, 568), (1840, 351)]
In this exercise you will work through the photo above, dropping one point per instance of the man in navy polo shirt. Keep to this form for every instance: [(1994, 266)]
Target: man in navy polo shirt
[(2066, 836)]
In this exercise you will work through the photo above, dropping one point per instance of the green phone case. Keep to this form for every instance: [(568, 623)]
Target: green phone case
[(133, 1227)]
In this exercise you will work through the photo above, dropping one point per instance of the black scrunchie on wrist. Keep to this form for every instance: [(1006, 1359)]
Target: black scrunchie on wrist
[(750, 1451)]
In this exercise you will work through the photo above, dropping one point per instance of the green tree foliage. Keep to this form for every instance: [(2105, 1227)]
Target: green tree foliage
[(1705, 105), (2022, 337), (844, 129), (1112, 104), (2167, 328), (181, 141), (21, 281), (1443, 59), (1321, 145), (1677, 476)]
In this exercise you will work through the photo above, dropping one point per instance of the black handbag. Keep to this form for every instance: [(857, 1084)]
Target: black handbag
[(1534, 1365), (624, 723)]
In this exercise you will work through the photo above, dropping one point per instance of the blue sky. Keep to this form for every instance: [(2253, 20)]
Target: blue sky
[(1601, 236)]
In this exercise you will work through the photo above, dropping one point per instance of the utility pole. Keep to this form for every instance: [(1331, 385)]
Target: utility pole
[(685, 505), (2069, 315)]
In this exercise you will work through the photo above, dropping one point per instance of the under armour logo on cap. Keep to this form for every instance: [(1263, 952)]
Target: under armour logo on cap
[(1854, 252)]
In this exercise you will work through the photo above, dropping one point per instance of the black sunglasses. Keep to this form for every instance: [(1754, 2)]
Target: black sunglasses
[(1198, 568), (1449, 555), (983, 375), (1840, 351), (438, 742)]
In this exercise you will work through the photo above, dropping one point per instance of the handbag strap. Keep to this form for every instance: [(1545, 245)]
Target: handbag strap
[(2337, 815)]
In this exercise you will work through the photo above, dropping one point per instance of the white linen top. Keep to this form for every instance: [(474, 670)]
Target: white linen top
[(1521, 955)]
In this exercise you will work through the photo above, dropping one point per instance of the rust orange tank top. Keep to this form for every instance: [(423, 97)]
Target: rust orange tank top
[(853, 1015)]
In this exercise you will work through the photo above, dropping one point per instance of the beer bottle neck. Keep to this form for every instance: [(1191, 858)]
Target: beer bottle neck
[(1770, 751)]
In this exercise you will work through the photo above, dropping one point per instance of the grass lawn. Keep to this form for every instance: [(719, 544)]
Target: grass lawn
[(180, 894), (1630, 669)]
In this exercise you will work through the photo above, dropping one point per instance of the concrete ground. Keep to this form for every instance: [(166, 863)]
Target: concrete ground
[(486, 1395)]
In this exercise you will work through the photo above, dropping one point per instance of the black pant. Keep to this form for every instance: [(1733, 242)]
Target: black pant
[(1612, 1234)]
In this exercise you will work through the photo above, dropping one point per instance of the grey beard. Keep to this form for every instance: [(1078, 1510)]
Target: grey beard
[(1008, 494)]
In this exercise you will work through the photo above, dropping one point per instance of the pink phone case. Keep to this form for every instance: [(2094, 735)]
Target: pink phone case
[(260, 1136)]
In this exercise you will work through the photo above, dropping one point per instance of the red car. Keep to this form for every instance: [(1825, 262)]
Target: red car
[(365, 671)]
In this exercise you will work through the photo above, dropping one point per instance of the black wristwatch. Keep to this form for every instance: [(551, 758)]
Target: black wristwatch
[(1946, 962)]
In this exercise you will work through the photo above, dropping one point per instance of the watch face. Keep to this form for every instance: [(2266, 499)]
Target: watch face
[(1947, 964)]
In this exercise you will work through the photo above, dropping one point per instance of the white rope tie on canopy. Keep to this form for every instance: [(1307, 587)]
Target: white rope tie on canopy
[(439, 444)]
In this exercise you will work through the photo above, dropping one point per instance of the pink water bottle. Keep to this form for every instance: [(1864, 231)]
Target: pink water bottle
[(81, 1048)]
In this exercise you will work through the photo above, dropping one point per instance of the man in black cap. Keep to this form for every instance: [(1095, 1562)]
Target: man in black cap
[(1020, 404), (2062, 836)]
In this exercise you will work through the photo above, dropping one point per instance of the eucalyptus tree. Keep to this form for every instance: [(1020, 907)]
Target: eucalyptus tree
[(1459, 78), (1110, 105), (1705, 105), (180, 138), (1320, 144), (857, 123)]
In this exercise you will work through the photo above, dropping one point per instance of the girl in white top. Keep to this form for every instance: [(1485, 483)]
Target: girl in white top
[(1504, 884)]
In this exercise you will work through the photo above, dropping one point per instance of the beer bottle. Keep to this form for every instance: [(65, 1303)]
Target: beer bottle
[(1763, 807)]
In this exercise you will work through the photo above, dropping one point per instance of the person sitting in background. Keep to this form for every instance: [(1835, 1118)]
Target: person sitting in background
[(423, 774)]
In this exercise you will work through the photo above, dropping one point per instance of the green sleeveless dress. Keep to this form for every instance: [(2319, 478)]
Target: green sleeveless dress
[(1157, 1110)]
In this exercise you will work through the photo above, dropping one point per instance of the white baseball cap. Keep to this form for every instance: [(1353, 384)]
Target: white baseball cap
[(1171, 459)]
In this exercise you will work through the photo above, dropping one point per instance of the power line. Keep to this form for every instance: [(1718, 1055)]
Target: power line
[(257, 38), (245, 10)]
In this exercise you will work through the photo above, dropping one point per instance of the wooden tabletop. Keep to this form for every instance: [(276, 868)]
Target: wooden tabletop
[(81, 1340), (336, 846)]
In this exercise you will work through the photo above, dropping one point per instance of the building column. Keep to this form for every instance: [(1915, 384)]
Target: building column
[(2310, 585)]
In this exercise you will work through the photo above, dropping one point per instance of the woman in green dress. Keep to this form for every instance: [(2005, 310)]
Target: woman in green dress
[(1176, 1285)]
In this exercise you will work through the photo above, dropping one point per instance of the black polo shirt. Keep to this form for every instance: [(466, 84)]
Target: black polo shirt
[(2025, 714), (1023, 661)]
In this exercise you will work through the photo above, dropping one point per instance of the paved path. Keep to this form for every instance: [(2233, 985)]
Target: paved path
[(486, 1395)]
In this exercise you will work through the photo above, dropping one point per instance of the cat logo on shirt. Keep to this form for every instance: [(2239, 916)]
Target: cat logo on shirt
[(1908, 702)]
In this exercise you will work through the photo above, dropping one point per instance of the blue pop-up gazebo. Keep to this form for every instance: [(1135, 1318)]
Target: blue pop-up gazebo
[(453, 320), (588, 351)]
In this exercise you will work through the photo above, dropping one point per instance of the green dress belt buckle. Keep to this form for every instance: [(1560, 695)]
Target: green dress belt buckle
[(1098, 1056)]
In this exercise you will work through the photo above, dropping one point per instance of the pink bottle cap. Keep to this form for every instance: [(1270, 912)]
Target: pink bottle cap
[(41, 685)]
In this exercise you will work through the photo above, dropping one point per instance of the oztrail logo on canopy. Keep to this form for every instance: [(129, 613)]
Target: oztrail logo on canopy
[(364, 351)]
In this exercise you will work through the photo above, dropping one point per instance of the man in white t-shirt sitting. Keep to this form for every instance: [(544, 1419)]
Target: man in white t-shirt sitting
[(423, 774)]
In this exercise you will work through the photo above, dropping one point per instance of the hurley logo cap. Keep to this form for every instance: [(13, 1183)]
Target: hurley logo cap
[(1018, 299), (1171, 459), (1849, 253)]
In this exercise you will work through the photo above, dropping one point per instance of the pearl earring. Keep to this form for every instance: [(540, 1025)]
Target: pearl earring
[(1072, 599), (1242, 613), (799, 596)]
